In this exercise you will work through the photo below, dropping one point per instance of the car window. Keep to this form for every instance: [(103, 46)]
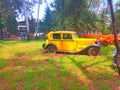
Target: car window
[(67, 36), (56, 36), (76, 36)]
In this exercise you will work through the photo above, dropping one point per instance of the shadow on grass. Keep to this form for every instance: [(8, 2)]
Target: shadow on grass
[(97, 77), (80, 66)]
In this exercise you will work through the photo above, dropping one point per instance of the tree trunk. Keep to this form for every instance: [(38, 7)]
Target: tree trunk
[(1, 32), (26, 19), (37, 19), (115, 35)]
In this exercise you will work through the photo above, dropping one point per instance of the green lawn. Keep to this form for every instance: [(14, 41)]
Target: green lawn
[(25, 66)]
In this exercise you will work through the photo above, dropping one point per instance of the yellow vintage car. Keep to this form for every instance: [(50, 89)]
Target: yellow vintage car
[(68, 41)]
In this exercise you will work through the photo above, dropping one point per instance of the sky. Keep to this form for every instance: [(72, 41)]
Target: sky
[(35, 11), (42, 10)]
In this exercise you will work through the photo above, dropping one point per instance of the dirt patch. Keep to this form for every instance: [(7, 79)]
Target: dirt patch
[(20, 85), (4, 85), (92, 86), (20, 81), (11, 62), (36, 80), (1, 69), (85, 79), (16, 61), (66, 81), (57, 55), (42, 62), (114, 85), (117, 76), (53, 55)]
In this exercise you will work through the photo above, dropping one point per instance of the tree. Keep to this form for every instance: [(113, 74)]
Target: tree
[(80, 17), (14, 8), (117, 5), (8, 7), (37, 27), (103, 23), (117, 15), (11, 24), (73, 15), (48, 21), (115, 34), (27, 6)]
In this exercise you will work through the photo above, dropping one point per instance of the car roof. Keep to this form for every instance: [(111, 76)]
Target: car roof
[(62, 32)]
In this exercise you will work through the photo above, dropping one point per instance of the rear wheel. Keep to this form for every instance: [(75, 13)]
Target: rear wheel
[(51, 49), (94, 51)]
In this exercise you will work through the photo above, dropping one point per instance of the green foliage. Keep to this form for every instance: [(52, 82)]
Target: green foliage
[(48, 21), (106, 31), (11, 24), (102, 23), (3, 22), (70, 15), (117, 15), (3, 63), (19, 54)]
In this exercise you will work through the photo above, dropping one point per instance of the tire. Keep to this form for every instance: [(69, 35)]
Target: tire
[(93, 51), (51, 49)]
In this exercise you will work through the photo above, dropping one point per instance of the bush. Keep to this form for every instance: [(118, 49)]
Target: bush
[(43, 37)]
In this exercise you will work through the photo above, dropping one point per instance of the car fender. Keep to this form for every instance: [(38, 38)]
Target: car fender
[(52, 45), (85, 50)]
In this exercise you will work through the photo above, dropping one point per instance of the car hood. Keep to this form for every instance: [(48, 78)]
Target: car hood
[(85, 39)]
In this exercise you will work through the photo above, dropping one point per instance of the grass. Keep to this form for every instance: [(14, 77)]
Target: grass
[(24, 66)]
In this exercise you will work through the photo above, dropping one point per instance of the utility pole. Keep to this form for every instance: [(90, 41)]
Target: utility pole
[(38, 17), (26, 19), (115, 35)]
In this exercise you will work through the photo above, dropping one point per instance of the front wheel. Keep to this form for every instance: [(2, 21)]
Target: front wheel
[(93, 51), (51, 49)]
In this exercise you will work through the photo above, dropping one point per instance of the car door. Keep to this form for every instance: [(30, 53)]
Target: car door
[(68, 44), (56, 40)]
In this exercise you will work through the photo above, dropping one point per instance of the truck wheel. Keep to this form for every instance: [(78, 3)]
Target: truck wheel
[(51, 49), (93, 51)]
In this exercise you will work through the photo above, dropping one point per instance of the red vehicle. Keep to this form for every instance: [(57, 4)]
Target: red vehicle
[(103, 39)]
